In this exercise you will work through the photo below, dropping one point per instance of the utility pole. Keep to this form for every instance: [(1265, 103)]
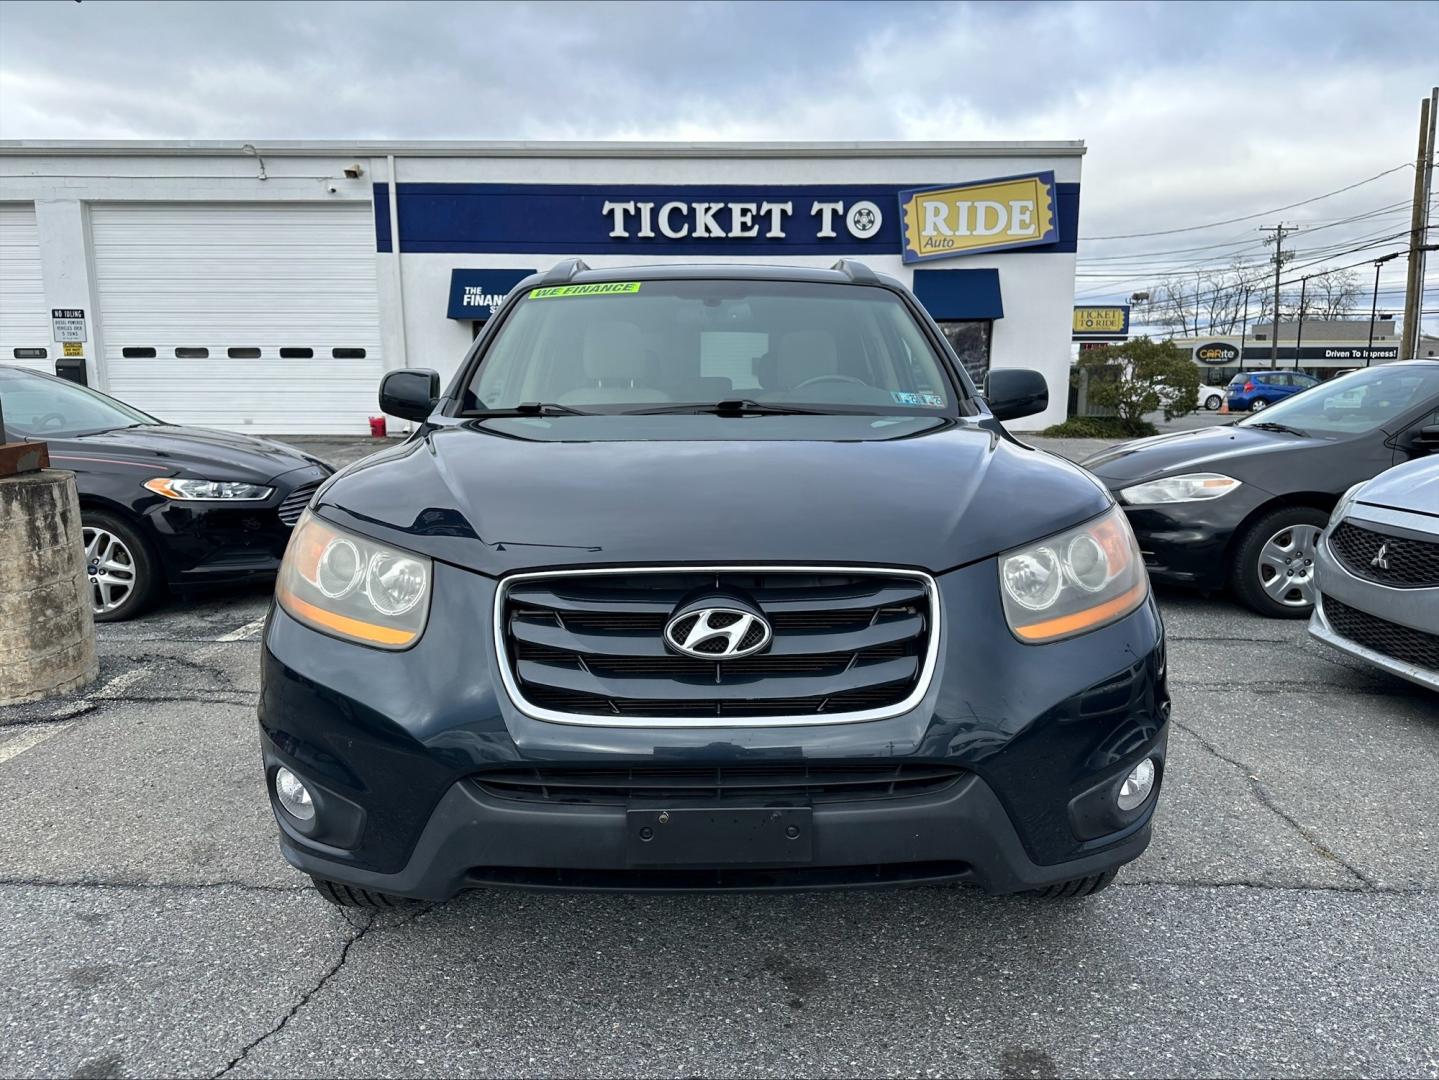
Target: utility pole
[(1243, 327), (1278, 231), (1374, 304), (1299, 335), (1423, 179)]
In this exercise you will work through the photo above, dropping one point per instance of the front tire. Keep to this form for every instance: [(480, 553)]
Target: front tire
[(1077, 887), (1273, 568), (122, 573)]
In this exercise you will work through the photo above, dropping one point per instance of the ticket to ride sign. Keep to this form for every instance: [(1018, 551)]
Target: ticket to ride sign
[(1101, 321), (990, 215)]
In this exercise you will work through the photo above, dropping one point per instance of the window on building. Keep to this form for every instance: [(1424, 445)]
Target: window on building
[(971, 343), (244, 352), (296, 353)]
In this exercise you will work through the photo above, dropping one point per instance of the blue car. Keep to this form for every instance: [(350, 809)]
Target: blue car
[(1250, 391)]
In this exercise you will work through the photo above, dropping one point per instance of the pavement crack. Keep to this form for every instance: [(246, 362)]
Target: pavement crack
[(1267, 800), (1270, 886), (304, 999)]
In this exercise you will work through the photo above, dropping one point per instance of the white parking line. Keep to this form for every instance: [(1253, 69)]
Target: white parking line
[(16, 745), (240, 633)]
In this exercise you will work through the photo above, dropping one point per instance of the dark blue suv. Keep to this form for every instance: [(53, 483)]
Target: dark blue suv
[(1255, 390)]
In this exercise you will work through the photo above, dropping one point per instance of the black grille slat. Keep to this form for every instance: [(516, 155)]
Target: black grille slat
[(1408, 563), (1400, 642), (745, 783), (294, 504), (593, 644)]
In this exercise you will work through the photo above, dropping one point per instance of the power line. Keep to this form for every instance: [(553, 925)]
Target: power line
[(1251, 217)]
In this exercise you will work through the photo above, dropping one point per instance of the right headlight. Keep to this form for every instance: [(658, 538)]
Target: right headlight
[(1073, 582), (1342, 507), (354, 588), (1192, 487)]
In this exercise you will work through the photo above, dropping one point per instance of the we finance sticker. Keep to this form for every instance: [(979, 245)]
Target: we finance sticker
[(603, 288)]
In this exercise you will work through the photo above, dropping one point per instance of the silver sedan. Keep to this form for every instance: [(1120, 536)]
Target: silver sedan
[(1377, 569)]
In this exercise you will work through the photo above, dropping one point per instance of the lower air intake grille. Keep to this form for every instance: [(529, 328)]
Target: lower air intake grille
[(590, 646), (1391, 639), (744, 783)]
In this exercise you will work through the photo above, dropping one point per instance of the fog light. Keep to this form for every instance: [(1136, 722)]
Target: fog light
[(1137, 786), (295, 796)]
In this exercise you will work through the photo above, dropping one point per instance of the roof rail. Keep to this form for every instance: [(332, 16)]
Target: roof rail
[(564, 271), (856, 271)]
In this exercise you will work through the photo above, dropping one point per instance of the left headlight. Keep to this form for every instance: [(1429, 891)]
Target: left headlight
[(351, 587), (1073, 582), (174, 487), (1192, 487)]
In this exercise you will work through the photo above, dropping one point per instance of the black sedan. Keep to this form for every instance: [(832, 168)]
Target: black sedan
[(161, 505), (1243, 504)]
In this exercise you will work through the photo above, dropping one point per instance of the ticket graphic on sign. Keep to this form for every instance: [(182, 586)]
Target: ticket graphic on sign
[(989, 215)]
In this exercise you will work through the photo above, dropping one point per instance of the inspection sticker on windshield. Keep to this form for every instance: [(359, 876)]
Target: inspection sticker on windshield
[(902, 397), (603, 288)]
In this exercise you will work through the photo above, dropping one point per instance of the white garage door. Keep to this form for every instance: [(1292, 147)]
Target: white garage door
[(252, 318), (24, 318)]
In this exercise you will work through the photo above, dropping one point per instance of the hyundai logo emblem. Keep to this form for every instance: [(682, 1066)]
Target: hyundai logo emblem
[(717, 633)]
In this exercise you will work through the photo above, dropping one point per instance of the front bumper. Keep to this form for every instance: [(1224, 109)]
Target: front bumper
[(1189, 543), (475, 839), (392, 742), (1415, 609)]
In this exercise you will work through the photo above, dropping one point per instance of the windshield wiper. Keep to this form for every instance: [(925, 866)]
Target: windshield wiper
[(736, 407), (530, 408), (1270, 425)]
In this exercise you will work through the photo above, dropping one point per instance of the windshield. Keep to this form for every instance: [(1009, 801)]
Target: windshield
[(647, 344), (38, 407), (1354, 403)]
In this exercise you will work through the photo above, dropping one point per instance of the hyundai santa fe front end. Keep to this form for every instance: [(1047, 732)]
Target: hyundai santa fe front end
[(712, 578)]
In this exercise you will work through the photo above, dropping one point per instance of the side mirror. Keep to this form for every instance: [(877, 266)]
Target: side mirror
[(1014, 392), (410, 393), (1426, 439)]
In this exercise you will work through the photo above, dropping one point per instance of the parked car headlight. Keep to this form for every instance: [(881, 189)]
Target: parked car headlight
[(1073, 582), (354, 588), (184, 490), (1342, 506), (1192, 487)]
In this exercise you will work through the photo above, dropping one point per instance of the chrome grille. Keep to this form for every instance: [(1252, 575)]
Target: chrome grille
[(588, 646), (294, 503), (1408, 563)]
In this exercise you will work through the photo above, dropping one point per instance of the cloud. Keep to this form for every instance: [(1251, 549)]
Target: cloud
[(1192, 112)]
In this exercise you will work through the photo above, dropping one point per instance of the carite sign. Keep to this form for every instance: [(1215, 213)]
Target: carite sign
[(1101, 321), (991, 215), (1217, 352)]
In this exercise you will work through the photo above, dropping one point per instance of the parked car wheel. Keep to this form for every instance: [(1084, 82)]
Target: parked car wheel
[(1085, 886), (1259, 403), (119, 565), (1213, 401), (1273, 570), (352, 896)]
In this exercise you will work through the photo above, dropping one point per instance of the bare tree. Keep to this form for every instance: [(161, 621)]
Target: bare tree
[(1220, 301), (1331, 295)]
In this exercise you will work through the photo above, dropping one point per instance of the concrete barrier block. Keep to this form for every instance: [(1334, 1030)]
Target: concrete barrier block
[(47, 632)]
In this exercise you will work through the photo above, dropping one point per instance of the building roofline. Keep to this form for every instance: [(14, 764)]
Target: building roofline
[(529, 148)]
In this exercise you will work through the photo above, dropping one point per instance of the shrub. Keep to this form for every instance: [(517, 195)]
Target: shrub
[(1100, 427), (1128, 378)]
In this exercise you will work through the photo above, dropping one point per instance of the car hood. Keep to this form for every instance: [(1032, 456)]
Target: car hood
[(636, 490), (1413, 486), (1228, 449), (213, 455)]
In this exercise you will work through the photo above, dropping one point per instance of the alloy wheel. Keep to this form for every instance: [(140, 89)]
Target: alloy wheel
[(110, 566), (1259, 403), (1286, 565)]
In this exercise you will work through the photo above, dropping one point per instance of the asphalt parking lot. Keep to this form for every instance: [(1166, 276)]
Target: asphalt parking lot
[(1285, 920)]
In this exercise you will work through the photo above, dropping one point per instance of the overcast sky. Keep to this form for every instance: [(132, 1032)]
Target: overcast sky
[(1193, 113)]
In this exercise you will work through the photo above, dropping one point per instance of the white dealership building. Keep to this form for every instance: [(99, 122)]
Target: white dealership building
[(265, 287)]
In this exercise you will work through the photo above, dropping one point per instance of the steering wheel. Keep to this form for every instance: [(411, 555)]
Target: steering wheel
[(51, 421), (832, 378)]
